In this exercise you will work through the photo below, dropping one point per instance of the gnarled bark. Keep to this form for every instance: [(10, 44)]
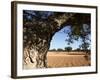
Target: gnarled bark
[(34, 58)]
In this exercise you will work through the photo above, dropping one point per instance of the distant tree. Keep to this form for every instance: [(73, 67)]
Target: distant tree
[(59, 49), (89, 51), (52, 50), (84, 46), (78, 49), (68, 49)]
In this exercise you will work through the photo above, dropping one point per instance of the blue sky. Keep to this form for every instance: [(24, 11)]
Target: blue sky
[(58, 40)]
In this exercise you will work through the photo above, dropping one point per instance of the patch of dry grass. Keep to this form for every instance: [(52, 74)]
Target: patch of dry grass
[(66, 59)]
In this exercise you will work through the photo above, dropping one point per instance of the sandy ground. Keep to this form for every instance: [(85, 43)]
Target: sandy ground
[(65, 59)]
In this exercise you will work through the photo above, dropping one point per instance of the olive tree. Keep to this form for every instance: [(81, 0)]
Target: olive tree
[(40, 26), (68, 49), (59, 49)]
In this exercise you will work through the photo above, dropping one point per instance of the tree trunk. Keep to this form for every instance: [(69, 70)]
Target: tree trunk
[(37, 36), (35, 54)]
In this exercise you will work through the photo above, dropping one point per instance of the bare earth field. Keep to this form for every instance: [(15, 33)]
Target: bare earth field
[(66, 59)]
